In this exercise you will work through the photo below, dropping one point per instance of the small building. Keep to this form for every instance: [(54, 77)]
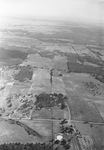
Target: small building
[(59, 136)]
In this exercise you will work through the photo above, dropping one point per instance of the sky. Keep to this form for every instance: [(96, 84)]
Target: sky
[(84, 10)]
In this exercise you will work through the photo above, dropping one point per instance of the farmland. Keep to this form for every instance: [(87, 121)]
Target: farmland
[(48, 74)]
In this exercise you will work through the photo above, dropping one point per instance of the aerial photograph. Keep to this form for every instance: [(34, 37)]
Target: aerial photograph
[(51, 75)]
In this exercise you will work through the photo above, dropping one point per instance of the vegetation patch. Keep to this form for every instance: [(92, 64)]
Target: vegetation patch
[(82, 110), (50, 100), (28, 146), (29, 130), (26, 72)]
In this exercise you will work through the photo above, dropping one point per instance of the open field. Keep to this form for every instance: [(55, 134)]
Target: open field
[(64, 61), (13, 133), (95, 132), (46, 113), (100, 107), (82, 110)]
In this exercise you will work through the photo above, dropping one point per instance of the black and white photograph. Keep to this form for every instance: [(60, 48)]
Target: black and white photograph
[(51, 74)]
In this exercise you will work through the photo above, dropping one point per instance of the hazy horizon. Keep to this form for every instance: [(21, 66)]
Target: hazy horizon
[(80, 10)]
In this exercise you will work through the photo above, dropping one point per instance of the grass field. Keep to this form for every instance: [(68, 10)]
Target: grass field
[(43, 127), (82, 110), (46, 113), (95, 132), (13, 133)]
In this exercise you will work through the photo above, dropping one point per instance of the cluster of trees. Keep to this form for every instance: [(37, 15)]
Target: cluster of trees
[(50, 100), (64, 143), (28, 146), (68, 132), (29, 130), (68, 129), (93, 87)]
